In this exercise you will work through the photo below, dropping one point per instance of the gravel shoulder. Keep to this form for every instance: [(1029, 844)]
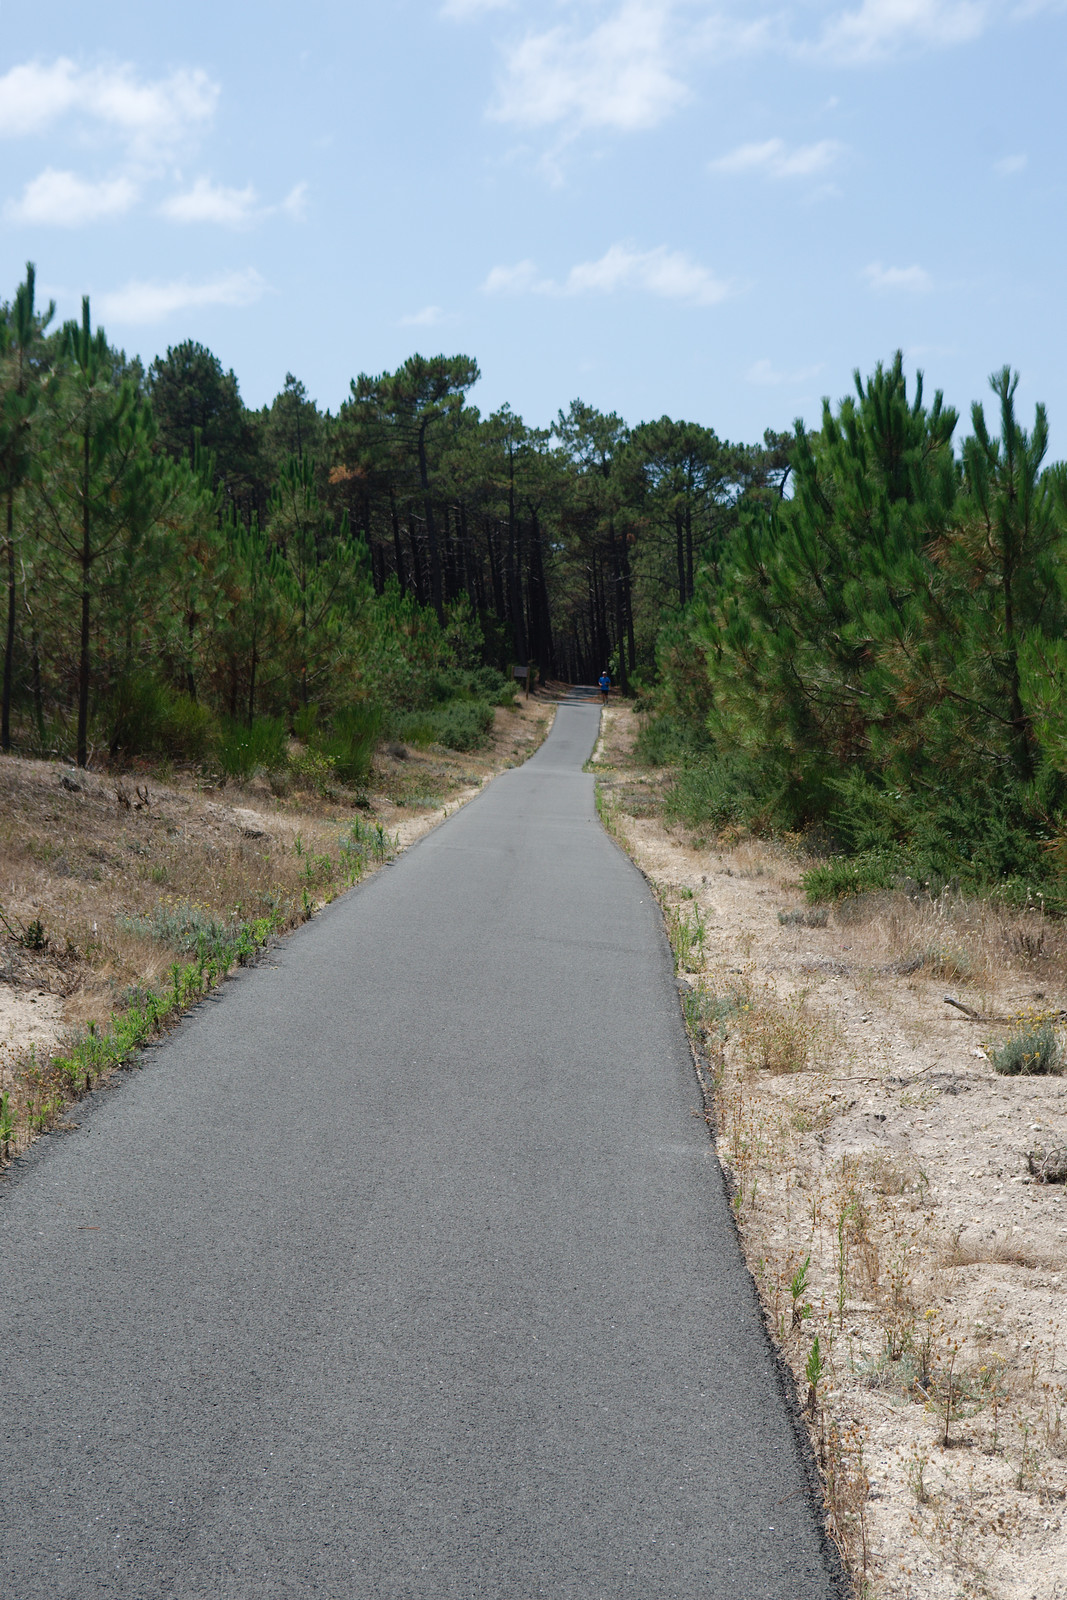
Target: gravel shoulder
[(910, 1264)]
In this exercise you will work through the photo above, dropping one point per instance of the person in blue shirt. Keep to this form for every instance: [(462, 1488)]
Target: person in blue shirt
[(605, 686)]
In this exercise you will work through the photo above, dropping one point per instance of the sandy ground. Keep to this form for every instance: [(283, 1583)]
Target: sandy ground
[(84, 853), (883, 1192)]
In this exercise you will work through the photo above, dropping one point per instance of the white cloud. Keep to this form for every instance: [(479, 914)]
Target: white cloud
[(460, 10), (231, 208), (773, 159), (619, 75), (210, 202), (522, 278), (1008, 166), (428, 317), (146, 114), (139, 302), (879, 28), (914, 279), (63, 200), (669, 274), (295, 203), (766, 374)]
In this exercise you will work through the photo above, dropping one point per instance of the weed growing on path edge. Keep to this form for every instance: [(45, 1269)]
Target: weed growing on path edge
[(45, 1089)]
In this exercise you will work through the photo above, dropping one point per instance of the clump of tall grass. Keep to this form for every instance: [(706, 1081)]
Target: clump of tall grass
[(348, 744), (241, 749)]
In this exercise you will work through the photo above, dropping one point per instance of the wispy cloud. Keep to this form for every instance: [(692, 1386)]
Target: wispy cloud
[(668, 274), (1009, 166), (142, 302), (230, 208), (522, 278), (63, 200), (212, 202), (774, 159), (146, 114), (877, 29), (460, 10), (767, 375), (428, 317), (915, 279), (620, 74)]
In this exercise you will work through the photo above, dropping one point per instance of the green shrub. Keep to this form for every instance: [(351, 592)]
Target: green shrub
[(242, 750), (713, 791), (313, 770), (850, 875), (464, 725), (151, 718), (458, 725), (661, 742), (472, 683), (1032, 1051), (349, 743), (418, 728)]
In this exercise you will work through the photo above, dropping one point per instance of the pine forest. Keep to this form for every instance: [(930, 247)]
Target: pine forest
[(854, 633)]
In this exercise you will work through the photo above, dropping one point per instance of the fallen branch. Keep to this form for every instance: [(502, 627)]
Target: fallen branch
[(977, 1016)]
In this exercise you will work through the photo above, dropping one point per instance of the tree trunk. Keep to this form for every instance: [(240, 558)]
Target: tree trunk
[(620, 626), (431, 529), (1021, 728), (83, 651), (518, 626), (418, 576), (38, 696), (689, 551), (253, 664), (398, 548), (494, 569), (9, 635), (679, 547)]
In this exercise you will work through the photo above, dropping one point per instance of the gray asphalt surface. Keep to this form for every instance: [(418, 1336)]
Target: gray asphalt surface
[(403, 1268)]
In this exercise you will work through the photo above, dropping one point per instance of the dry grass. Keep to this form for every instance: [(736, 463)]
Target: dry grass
[(105, 880), (974, 943)]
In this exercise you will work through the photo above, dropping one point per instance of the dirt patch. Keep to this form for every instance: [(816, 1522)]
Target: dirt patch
[(910, 1262), (108, 882)]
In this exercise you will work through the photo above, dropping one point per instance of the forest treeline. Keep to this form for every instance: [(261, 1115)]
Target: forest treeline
[(179, 567), (855, 633)]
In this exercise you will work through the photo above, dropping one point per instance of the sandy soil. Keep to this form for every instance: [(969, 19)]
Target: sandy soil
[(82, 854), (867, 1136)]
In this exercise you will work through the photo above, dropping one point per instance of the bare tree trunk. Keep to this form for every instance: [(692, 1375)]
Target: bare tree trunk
[(398, 548), (9, 636), (679, 547), (431, 530), (83, 651)]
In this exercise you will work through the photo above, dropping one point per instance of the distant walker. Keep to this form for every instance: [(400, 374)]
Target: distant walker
[(605, 686)]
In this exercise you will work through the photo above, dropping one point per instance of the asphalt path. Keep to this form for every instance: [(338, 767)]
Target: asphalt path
[(403, 1268)]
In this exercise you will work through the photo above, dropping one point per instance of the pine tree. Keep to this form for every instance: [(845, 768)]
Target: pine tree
[(103, 491), (21, 330)]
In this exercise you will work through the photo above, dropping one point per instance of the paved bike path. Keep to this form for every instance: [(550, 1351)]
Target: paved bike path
[(403, 1268)]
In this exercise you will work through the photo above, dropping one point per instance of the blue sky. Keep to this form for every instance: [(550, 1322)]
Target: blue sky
[(703, 208)]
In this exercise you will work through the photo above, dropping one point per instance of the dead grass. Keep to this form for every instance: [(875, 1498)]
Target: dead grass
[(91, 863)]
